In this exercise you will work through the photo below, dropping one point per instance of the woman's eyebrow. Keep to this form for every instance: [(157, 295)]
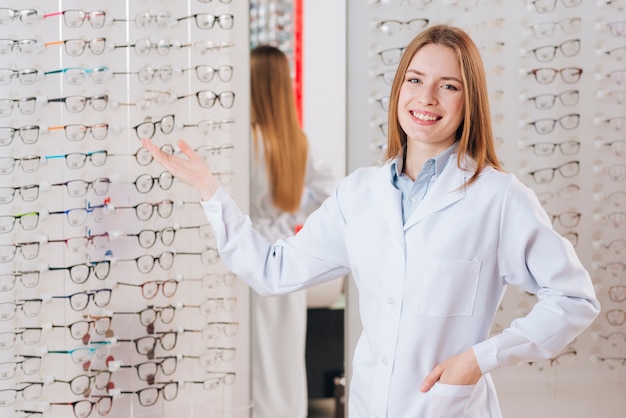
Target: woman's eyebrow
[(419, 73)]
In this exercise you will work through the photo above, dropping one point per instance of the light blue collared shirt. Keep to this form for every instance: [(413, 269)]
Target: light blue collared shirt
[(413, 192)]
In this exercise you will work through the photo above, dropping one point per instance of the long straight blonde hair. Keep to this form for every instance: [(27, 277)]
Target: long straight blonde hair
[(475, 134), (273, 113)]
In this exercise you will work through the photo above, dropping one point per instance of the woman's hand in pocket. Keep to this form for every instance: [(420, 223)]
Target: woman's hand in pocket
[(461, 369)]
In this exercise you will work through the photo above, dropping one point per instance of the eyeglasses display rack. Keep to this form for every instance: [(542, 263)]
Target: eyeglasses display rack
[(113, 298)]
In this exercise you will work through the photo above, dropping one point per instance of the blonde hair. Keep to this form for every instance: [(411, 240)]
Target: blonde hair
[(273, 113), (474, 135)]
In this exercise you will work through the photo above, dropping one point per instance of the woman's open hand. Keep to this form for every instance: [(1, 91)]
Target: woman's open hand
[(192, 170)]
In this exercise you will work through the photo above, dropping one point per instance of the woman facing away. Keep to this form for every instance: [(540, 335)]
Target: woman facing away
[(286, 184), (432, 238)]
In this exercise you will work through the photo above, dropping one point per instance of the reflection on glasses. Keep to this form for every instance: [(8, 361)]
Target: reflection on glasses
[(618, 53), (547, 125), (561, 359), (147, 129), (76, 160), (79, 273), (151, 288), (391, 56), (26, 105), (617, 246), (75, 104), (147, 371), (81, 384), (76, 244), (31, 392), (207, 127), (143, 20), (546, 29), (28, 278), (220, 378), (29, 366), (29, 251), (615, 317), (12, 15), (214, 355), (211, 305), (78, 216), (148, 237), (76, 132), (616, 219), (146, 345), (29, 164), (616, 123), (617, 28), (149, 315), (30, 307), (83, 355), (76, 18), (76, 47), (207, 99), (28, 221), (79, 188), (617, 147), (567, 219), (547, 100), (24, 46), (547, 53), (616, 172), (143, 157), (26, 76), (28, 193), (29, 336), (28, 134), (547, 6), (80, 300), (393, 26), (568, 192), (78, 75), (84, 407), (145, 210), (145, 182), (148, 396), (547, 75), (80, 330), (145, 263), (546, 175), (543, 149), (207, 20), (144, 46)]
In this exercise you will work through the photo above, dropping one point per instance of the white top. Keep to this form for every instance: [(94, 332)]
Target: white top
[(429, 289)]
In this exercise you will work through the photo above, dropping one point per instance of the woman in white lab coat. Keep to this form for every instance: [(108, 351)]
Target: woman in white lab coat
[(287, 182), (432, 239)]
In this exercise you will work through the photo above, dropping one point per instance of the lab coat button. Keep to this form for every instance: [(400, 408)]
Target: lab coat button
[(390, 301), (385, 361)]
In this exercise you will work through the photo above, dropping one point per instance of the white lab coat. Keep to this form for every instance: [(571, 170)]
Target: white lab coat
[(278, 342), (428, 289)]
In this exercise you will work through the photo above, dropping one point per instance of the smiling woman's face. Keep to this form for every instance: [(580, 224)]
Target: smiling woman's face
[(431, 100)]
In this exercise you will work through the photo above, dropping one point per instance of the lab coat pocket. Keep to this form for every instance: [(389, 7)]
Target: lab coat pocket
[(448, 287), (449, 401)]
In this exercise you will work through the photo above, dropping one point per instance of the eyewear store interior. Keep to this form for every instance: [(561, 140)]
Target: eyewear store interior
[(113, 299)]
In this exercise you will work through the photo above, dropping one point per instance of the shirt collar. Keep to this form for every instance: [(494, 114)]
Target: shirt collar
[(440, 161)]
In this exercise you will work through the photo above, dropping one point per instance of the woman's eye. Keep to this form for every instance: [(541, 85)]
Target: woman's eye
[(413, 80), (450, 87)]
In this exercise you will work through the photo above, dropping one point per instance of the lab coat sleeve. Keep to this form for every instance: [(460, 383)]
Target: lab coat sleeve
[(534, 257), (313, 256)]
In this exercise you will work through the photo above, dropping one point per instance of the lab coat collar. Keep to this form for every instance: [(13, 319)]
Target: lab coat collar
[(446, 191)]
